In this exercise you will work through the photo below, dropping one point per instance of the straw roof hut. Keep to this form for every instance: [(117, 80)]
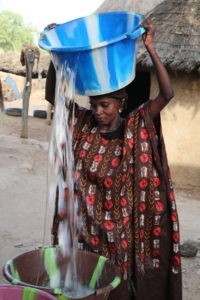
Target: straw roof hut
[(177, 41), (177, 37), (129, 5)]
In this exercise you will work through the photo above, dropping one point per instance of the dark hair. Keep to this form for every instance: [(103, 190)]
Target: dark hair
[(119, 94)]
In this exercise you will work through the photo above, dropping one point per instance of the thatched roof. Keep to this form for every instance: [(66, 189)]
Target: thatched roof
[(177, 37), (10, 63), (141, 6)]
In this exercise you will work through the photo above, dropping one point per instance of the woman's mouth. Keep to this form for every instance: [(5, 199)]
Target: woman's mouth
[(100, 119)]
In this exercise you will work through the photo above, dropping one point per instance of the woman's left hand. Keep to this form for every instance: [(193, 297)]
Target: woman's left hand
[(148, 36)]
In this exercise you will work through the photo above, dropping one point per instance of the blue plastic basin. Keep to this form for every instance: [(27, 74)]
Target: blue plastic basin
[(101, 49)]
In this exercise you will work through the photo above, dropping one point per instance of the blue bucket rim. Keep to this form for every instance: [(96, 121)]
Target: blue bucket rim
[(121, 37)]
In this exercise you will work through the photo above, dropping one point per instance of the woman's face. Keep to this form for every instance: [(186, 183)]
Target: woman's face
[(106, 111)]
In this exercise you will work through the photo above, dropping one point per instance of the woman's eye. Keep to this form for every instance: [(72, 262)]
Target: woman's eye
[(105, 104)]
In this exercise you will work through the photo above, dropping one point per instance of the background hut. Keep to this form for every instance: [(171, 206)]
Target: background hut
[(177, 42), (138, 6)]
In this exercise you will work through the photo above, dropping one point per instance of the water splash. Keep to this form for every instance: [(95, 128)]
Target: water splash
[(62, 179), (61, 162)]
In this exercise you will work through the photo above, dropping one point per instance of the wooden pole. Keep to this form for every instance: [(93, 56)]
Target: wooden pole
[(29, 56), (49, 113), (2, 107)]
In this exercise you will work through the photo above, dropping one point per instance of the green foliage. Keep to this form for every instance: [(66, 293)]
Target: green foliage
[(14, 33)]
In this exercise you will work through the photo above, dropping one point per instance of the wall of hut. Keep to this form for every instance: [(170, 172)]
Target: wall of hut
[(180, 121)]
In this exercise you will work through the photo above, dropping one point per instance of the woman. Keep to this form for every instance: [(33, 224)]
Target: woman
[(126, 196)]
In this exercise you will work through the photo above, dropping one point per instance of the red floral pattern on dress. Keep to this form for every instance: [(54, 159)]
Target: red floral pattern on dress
[(98, 158), (109, 225), (104, 141), (126, 220), (176, 237), (156, 181), (80, 135), (130, 122), (157, 231), (108, 182), (144, 157), (142, 232), (142, 207), (159, 206), (125, 266), (115, 162), (171, 195), (90, 138), (92, 176), (156, 252), (176, 260), (123, 202), (143, 183), (174, 217), (82, 154), (108, 204), (131, 143), (95, 240), (124, 177), (124, 151), (90, 199), (144, 134), (124, 244)]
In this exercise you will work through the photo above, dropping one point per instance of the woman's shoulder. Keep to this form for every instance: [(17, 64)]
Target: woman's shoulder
[(82, 114), (140, 109), (80, 110)]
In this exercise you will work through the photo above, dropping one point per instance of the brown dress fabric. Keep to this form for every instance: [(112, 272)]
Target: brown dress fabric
[(127, 204)]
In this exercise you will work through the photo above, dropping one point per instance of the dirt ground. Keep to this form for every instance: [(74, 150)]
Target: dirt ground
[(23, 193)]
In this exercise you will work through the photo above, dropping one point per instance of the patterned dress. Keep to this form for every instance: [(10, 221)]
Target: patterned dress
[(127, 202)]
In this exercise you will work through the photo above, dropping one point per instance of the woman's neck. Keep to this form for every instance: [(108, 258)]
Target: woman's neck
[(111, 127)]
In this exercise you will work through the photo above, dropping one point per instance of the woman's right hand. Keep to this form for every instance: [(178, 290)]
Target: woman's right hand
[(51, 26)]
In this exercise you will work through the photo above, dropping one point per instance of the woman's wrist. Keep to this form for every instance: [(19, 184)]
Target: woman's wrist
[(150, 47)]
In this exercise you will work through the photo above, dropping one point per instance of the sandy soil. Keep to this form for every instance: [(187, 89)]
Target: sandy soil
[(23, 189)]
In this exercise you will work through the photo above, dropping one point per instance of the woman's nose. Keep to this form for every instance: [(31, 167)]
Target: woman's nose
[(98, 110)]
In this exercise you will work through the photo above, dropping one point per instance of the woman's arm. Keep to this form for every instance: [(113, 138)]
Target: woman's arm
[(165, 87), (50, 86)]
